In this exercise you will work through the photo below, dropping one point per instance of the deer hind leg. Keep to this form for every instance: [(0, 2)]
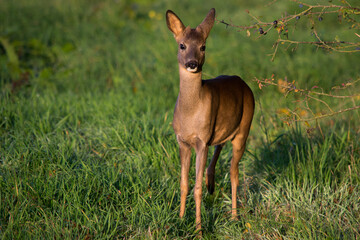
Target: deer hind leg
[(210, 172), (239, 143)]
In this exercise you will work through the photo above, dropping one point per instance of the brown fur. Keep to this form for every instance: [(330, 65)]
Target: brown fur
[(207, 112)]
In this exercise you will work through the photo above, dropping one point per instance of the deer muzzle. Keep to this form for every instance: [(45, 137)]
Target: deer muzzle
[(192, 66)]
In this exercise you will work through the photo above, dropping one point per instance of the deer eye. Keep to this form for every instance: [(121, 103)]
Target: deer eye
[(202, 48), (182, 46)]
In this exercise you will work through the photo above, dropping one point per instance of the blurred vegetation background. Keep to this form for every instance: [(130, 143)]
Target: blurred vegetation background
[(87, 150)]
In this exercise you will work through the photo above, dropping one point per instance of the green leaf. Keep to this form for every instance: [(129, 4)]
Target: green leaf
[(13, 60), (10, 51)]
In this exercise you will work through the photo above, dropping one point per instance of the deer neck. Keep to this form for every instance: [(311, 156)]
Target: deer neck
[(190, 88)]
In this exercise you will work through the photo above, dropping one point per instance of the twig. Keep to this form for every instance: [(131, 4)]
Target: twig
[(308, 92), (327, 115), (282, 24)]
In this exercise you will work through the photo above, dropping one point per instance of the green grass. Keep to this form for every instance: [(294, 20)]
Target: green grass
[(86, 144)]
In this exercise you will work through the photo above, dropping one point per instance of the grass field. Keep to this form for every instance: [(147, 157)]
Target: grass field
[(87, 150)]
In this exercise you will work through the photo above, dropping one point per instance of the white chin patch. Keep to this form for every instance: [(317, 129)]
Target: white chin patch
[(191, 69)]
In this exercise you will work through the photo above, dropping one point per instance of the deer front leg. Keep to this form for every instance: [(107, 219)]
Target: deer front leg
[(185, 156), (201, 157)]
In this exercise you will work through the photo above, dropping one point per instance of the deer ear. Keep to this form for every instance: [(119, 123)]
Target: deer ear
[(174, 23), (207, 23)]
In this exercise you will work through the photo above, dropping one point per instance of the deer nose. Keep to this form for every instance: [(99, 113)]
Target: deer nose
[(191, 64)]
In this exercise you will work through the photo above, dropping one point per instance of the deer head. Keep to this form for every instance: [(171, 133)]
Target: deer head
[(191, 41)]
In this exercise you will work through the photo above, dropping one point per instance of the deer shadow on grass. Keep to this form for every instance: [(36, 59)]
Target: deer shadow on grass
[(298, 156), (294, 156), (266, 164)]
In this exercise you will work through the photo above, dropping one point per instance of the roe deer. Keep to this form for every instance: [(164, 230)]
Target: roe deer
[(208, 112)]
